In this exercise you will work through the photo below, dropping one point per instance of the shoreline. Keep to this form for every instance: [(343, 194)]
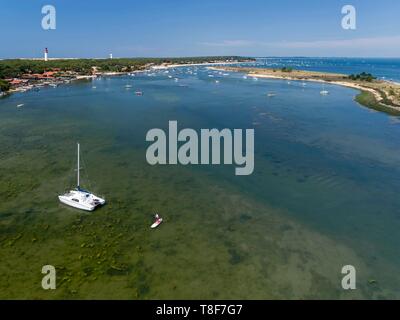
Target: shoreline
[(380, 95), (199, 64), (54, 82), (339, 83), (382, 101)]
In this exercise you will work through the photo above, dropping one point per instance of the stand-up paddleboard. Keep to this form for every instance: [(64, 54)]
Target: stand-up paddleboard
[(157, 222)]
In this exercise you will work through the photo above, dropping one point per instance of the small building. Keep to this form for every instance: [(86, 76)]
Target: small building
[(16, 82), (48, 74)]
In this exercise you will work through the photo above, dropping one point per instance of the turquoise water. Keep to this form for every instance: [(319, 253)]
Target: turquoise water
[(384, 68), (324, 192)]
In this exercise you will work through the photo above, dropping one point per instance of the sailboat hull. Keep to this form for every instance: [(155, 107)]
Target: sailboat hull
[(81, 200), (74, 204)]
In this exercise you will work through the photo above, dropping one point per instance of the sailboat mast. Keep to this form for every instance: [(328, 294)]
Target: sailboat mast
[(78, 165)]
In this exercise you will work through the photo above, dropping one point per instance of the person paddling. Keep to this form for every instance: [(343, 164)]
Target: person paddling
[(157, 222)]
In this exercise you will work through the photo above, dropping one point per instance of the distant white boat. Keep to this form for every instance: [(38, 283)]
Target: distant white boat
[(20, 105), (271, 94), (80, 198), (324, 92)]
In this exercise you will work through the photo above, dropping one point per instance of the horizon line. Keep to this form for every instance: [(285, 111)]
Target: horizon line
[(204, 56)]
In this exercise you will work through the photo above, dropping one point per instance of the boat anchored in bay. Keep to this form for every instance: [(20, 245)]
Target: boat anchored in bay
[(324, 92), (80, 198)]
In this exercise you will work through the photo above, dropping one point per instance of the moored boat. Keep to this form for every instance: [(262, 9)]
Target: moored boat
[(80, 198)]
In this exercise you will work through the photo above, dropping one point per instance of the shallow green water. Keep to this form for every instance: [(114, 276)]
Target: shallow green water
[(324, 193)]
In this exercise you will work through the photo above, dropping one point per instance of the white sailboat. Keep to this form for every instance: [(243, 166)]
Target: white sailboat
[(80, 198), (324, 92)]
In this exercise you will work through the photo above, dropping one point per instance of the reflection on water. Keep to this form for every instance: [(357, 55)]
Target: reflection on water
[(323, 193)]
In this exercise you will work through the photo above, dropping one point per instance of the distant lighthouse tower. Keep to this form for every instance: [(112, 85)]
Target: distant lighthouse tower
[(110, 55), (46, 52)]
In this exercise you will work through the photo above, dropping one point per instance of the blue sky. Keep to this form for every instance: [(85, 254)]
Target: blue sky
[(200, 27)]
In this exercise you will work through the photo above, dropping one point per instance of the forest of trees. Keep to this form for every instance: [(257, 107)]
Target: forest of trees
[(14, 68), (4, 86)]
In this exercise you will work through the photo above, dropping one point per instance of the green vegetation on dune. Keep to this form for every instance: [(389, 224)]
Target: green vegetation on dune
[(367, 99), (287, 69), (363, 76)]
